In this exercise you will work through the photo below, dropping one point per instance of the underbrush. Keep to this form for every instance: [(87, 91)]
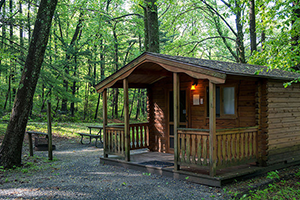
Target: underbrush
[(282, 184)]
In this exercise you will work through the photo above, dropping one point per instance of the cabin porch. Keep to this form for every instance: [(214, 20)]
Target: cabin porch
[(163, 164), (235, 153)]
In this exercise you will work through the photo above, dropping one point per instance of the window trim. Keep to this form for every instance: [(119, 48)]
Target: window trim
[(222, 115)]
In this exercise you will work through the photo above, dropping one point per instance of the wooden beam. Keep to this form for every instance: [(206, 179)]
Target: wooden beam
[(50, 154), (130, 85), (212, 129), (104, 97), (126, 120), (192, 70), (176, 118)]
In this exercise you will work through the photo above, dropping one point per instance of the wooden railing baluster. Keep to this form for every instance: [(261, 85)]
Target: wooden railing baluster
[(234, 146)]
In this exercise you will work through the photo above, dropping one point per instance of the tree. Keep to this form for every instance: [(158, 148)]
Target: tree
[(11, 149), (151, 26), (252, 25), (295, 33)]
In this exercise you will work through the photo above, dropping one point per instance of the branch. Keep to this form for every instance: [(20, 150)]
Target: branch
[(133, 14), (209, 38), (213, 37), (8, 21), (164, 11), (216, 12), (227, 4), (1, 3), (186, 11), (12, 42)]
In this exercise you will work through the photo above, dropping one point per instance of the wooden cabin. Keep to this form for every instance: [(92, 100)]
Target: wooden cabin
[(208, 114)]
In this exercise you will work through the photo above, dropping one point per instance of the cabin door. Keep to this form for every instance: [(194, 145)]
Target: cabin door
[(183, 114)]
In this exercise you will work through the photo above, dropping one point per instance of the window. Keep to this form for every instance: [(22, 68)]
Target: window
[(228, 101), (225, 101)]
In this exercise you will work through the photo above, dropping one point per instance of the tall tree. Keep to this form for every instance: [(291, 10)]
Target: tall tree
[(252, 25), (296, 33), (151, 26), (11, 148)]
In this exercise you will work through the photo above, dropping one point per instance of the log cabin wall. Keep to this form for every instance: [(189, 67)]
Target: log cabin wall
[(283, 122), (157, 128), (197, 117), (245, 91), (158, 111)]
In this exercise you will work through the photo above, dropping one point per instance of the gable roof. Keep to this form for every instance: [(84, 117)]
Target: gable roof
[(215, 71)]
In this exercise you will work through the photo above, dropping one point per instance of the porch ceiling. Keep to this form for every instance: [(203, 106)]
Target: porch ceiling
[(147, 69), (144, 75)]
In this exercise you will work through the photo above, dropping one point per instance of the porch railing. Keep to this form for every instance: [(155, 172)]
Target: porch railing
[(139, 135), (233, 146), (115, 138), (193, 147), (236, 146)]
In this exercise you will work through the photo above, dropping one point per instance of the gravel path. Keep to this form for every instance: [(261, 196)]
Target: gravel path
[(77, 174)]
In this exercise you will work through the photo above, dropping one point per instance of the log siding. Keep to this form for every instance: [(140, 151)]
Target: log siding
[(283, 122)]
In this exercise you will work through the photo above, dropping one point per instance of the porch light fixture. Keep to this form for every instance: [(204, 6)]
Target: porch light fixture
[(193, 87)]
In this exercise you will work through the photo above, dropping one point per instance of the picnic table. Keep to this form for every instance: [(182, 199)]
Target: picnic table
[(37, 133), (96, 136)]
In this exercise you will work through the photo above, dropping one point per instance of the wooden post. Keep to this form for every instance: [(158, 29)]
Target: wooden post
[(212, 129), (30, 144), (104, 96), (50, 154), (126, 120), (176, 117)]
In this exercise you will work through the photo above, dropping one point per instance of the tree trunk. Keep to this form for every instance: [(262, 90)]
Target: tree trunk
[(252, 26), (144, 102), (138, 106), (97, 107), (102, 65), (21, 32), (132, 102), (11, 149), (28, 21), (8, 91), (116, 97), (2, 2), (240, 35), (72, 106), (64, 106), (295, 33), (151, 26)]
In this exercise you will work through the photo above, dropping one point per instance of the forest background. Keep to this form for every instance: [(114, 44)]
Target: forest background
[(90, 40)]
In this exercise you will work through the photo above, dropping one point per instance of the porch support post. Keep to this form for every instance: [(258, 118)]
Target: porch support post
[(126, 120), (176, 117), (212, 129), (104, 96)]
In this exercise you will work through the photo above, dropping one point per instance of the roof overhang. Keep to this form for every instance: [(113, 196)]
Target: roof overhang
[(150, 61)]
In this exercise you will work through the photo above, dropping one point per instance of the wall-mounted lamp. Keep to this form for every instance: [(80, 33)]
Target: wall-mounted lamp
[(193, 87)]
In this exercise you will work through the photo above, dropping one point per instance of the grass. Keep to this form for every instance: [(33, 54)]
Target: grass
[(65, 129), (280, 188), (284, 189)]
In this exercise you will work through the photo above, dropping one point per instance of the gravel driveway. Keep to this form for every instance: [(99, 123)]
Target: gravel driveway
[(76, 173)]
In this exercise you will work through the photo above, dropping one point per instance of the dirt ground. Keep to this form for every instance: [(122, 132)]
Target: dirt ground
[(76, 173)]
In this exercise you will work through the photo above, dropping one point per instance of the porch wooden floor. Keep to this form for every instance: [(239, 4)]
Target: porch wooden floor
[(163, 164)]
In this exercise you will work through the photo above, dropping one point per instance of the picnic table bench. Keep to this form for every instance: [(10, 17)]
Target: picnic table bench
[(30, 133), (96, 136)]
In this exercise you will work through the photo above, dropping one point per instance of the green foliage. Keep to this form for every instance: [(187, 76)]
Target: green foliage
[(298, 173), (111, 33), (273, 174)]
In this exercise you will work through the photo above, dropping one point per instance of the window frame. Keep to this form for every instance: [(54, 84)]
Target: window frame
[(222, 115)]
